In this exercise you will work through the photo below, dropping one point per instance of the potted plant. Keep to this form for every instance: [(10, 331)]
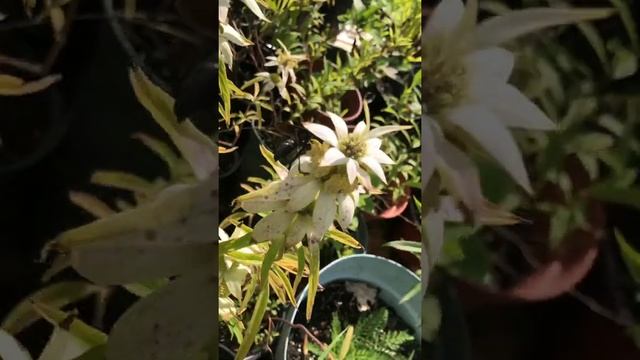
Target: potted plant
[(381, 280)]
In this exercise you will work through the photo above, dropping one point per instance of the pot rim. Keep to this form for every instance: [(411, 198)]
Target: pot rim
[(393, 280)]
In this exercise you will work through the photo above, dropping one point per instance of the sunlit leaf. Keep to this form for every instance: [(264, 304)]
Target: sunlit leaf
[(57, 295), (13, 86)]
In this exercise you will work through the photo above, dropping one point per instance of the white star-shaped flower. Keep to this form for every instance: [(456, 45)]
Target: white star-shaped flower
[(355, 150), (466, 83)]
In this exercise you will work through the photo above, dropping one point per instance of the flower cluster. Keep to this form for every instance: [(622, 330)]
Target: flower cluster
[(322, 186)]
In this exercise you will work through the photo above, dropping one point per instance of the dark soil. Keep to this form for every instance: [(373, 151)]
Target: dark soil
[(335, 298)]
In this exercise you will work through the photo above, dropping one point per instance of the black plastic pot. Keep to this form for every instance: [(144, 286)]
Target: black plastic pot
[(393, 280)]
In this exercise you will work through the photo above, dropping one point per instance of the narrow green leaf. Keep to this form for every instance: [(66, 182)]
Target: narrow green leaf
[(413, 247), (630, 255), (344, 238), (314, 276), (57, 295), (254, 324)]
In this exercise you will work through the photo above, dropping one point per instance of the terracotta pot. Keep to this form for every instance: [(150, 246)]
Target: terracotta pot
[(393, 209), (561, 270)]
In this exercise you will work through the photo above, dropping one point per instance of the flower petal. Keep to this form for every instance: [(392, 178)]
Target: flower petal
[(272, 226), (121, 262), (512, 107), (301, 225), (303, 196), (301, 165), (429, 155), (332, 157), (374, 144), (360, 128), (459, 174), (258, 206), (493, 136), (493, 62), (382, 130), (231, 34), (338, 123), (322, 132), (352, 170), (500, 29), (381, 157), (324, 212), (445, 18), (346, 210), (374, 166), (365, 179)]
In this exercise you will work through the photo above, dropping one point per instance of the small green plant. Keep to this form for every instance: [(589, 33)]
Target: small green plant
[(368, 339)]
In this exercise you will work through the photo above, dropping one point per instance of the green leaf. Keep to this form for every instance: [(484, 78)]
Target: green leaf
[(75, 327), (624, 63), (405, 245), (630, 256), (344, 238), (254, 323), (57, 295), (431, 317), (64, 346), (597, 43), (413, 292), (96, 353), (122, 180), (609, 193), (628, 21), (314, 276)]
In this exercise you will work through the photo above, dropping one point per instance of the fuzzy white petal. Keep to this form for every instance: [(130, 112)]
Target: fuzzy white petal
[(383, 130), (492, 62), (272, 226), (346, 210), (512, 107), (303, 196), (458, 172), (301, 165), (500, 29), (332, 157), (445, 18), (429, 155), (352, 170), (258, 206), (322, 132), (381, 157), (301, 225), (338, 123), (374, 166), (364, 178), (374, 144), (324, 212), (494, 137), (360, 128)]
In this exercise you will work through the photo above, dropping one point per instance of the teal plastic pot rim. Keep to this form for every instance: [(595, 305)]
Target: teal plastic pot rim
[(393, 280)]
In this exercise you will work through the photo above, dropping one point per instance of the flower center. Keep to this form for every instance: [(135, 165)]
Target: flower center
[(353, 147), (444, 84), (339, 183)]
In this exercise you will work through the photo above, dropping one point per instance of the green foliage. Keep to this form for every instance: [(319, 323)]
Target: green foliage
[(370, 340)]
